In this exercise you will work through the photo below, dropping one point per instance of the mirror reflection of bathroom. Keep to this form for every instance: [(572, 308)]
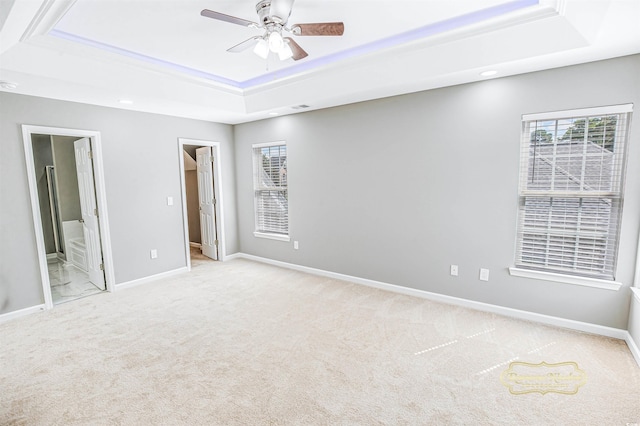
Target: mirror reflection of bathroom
[(61, 215)]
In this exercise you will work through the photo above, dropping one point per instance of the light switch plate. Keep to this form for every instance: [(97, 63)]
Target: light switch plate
[(454, 270), (484, 275)]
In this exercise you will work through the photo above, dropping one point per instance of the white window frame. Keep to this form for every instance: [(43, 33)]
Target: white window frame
[(558, 276), (256, 189)]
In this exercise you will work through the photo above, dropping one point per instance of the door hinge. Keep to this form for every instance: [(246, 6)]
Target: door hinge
[(95, 212), (215, 243), (90, 154), (102, 266), (212, 159), (214, 201)]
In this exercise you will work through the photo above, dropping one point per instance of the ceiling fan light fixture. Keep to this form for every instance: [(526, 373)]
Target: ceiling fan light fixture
[(261, 49), (285, 52), (275, 42)]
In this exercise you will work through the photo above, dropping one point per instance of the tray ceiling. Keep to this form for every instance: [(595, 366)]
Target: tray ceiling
[(163, 57)]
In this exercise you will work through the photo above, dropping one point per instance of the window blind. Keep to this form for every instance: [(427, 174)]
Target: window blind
[(270, 188), (570, 193)]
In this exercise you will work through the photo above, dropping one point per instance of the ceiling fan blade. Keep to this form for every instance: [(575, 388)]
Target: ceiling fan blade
[(319, 29), (228, 18), (240, 47), (280, 10), (298, 52)]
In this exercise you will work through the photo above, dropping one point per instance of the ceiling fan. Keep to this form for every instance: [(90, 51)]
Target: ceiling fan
[(273, 16)]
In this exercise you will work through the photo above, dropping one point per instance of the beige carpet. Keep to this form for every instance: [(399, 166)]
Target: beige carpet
[(242, 343)]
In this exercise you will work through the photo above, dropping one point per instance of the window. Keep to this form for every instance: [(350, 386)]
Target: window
[(570, 194), (270, 190)]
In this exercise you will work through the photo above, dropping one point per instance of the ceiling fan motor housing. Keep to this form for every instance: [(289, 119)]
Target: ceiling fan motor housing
[(263, 8)]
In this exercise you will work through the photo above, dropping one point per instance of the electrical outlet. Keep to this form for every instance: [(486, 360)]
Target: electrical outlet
[(295, 245), (484, 274), (454, 270), (154, 254)]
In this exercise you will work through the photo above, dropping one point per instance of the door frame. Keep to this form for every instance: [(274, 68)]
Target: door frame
[(217, 188), (98, 171)]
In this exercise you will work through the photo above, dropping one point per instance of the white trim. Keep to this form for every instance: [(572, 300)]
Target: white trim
[(636, 276), (217, 187), (279, 237), (616, 333), (196, 245), (636, 292), (234, 256), (151, 278), (566, 279), (52, 256), (582, 112), (267, 144), (98, 169), (22, 312), (633, 347)]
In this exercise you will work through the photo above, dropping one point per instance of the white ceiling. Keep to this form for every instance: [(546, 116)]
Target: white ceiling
[(166, 58)]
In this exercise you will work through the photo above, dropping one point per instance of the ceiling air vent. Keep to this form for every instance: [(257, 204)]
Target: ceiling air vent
[(303, 106)]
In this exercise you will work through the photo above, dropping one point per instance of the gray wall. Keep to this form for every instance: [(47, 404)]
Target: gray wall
[(393, 190), (141, 165), (396, 190), (64, 158), (43, 157), (193, 199), (193, 205)]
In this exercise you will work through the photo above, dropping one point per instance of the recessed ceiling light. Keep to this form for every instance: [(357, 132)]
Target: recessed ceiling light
[(9, 85), (488, 73), (126, 101)]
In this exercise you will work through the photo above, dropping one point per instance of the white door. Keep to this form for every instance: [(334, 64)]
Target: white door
[(206, 195), (89, 208)]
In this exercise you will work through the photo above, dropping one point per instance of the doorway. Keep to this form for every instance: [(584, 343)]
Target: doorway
[(66, 184), (200, 175)]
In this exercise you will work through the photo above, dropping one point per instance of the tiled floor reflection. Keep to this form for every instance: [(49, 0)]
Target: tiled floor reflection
[(68, 282)]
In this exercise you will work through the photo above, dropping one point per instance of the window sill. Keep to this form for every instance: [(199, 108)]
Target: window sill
[(567, 279), (277, 237)]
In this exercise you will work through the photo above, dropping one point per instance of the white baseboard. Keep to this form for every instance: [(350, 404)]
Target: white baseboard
[(633, 347), (235, 256), (21, 313), (480, 306), (197, 245), (139, 281), (51, 256)]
